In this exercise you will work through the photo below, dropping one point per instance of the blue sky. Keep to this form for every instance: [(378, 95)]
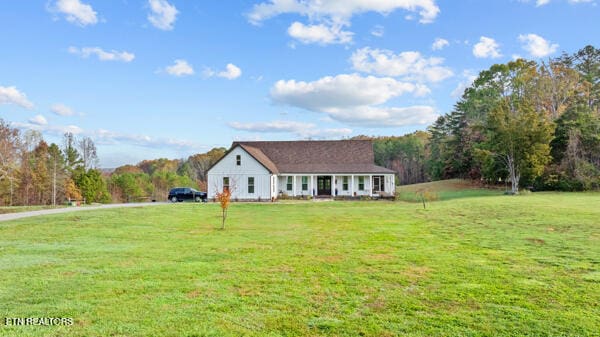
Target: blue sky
[(169, 78)]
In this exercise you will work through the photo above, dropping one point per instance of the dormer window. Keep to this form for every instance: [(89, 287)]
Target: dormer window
[(238, 160)]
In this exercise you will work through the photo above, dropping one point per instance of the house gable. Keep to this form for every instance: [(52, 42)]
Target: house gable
[(248, 165)]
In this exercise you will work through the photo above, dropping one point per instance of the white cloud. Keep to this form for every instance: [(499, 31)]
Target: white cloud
[(38, 120), (76, 12), (102, 55), (57, 130), (327, 18), (354, 99), (62, 110), (410, 65), (231, 72), (537, 46), (468, 77), (275, 126), (346, 90), (300, 129), (320, 34), (440, 44), (486, 47), (540, 3), (341, 10), (180, 68), (110, 137), (163, 14), (105, 137), (369, 116), (378, 31), (11, 95)]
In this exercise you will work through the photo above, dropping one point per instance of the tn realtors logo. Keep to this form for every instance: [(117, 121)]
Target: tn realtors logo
[(43, 321)]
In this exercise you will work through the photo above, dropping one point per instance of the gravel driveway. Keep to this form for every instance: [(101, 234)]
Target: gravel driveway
[(13, 216)]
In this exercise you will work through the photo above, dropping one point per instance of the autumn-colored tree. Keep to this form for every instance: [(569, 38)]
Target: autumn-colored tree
[(71, 190), (10, 145), (201, 162), (224, 199), (555, 87), (127, 169), (405, 155), (159, 165), (41, 177)]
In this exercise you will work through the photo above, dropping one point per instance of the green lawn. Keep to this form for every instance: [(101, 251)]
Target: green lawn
[(446, 190), (484, 266)]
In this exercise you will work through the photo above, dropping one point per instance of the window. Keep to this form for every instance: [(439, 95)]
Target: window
[(250, 185), (345, 183), (225, 183), (238, 160), (361, 183), (305, 183), (289, 183)]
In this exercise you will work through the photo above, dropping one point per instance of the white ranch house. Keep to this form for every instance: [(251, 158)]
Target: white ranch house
[(267, 170)]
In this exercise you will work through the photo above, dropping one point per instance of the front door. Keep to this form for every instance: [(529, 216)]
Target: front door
[(378, 184), (324, 185)]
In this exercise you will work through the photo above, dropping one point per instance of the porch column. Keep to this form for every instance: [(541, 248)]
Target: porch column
[(312, 185), (333, 185), (352, 185), (293, 185), (370, 185)]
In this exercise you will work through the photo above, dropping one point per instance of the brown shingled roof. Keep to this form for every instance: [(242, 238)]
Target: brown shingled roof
[(329, 156)]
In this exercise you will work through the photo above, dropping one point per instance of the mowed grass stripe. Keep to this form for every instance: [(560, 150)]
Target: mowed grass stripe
[(494, 265)]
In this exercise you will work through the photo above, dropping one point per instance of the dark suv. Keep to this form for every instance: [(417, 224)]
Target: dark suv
[(186, 193)]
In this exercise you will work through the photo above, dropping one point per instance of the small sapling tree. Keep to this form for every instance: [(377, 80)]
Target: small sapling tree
[(426, 196), (224, 199)]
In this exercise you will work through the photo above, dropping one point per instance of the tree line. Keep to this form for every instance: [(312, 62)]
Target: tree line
[(152, 179), (526, 123), (33, 172)]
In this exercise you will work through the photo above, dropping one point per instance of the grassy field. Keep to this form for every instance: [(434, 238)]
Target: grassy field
[(481, 266), (446, 190)]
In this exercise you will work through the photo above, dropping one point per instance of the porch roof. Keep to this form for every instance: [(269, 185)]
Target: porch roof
[(334, 169)]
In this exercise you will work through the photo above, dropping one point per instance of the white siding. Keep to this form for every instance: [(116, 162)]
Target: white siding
[(238, 176), (296, 185)]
